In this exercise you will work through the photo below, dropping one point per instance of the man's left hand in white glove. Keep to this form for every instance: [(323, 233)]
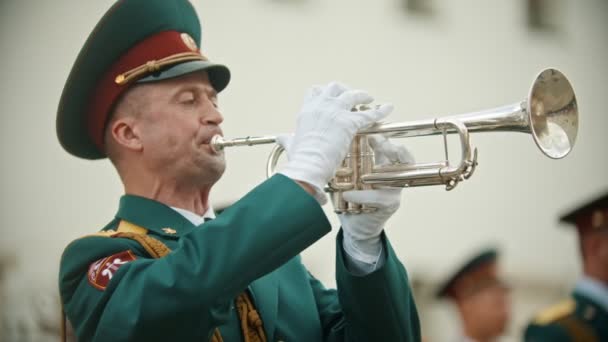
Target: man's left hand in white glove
[(361, 232)]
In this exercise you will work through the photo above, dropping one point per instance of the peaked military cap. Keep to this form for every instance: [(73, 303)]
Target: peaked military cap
[(135, 41), (590, 216), (476, 271)]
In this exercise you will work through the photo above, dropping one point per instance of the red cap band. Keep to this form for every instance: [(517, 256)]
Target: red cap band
[(148, 56)]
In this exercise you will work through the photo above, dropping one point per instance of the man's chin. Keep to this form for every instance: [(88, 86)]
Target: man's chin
[(211, 170)]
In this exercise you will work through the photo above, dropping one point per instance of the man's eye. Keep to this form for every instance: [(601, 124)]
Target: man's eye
[(188, 99)]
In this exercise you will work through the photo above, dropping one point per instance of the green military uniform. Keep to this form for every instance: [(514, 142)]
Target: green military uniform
[(584, 316), (254, 244), (113, 288)]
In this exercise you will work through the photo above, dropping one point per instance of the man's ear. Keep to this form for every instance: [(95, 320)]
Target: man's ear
[(123, 132)]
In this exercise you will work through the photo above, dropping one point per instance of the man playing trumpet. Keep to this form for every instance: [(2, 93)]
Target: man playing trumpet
[(165, 269)]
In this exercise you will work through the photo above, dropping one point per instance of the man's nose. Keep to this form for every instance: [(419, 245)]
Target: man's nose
[(213, 117)]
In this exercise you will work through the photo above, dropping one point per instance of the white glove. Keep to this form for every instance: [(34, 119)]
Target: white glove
[(362, 231), (325, 128)]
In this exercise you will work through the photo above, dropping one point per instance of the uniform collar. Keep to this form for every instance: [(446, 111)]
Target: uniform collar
[(194, 218), (594, 290), (154, 216)]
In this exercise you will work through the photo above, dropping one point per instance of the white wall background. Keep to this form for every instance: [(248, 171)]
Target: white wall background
[(466, 55)]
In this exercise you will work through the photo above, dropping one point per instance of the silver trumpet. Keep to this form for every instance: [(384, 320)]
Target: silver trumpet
[(549, 114)]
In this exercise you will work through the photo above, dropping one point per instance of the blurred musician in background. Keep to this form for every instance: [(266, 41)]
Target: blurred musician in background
[(481, 297), (583, 316)]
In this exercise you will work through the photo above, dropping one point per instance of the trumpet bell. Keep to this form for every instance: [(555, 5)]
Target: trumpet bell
[(553, 113)]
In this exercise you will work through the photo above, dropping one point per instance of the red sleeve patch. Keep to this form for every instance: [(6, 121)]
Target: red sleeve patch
[(101, 271)]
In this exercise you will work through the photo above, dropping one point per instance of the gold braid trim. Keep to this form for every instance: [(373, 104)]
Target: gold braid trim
[(251, 323), (155, 65), (555, 312), (217, 337), (126, 226), (154, 247)]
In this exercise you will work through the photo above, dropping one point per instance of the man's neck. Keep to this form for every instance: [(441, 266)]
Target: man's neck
[(191, 198), (472, 329)]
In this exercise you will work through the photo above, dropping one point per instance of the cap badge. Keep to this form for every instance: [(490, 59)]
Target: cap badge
[(597, 219), (190, 43)]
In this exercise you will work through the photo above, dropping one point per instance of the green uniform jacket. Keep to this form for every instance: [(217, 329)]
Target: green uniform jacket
[(577, 319), (252, 245)]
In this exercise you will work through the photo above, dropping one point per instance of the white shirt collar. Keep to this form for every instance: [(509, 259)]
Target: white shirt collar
[(594, 290), (194, 218)]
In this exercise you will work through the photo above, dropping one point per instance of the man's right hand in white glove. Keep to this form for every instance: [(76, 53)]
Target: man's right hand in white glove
[(325, 128)]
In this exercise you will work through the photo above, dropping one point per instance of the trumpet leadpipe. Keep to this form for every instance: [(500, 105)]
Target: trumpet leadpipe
[(218, 143)]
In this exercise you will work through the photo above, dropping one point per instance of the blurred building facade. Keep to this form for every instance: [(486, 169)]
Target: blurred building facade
[(427, 58)]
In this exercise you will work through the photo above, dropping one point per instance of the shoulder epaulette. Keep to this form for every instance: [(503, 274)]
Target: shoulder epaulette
[(128, 227), (106, 233), (128, 230), (555, 312), (123, 227)]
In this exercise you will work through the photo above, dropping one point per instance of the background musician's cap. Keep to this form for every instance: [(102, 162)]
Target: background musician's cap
[(589, 217), (476, 273), (135, 41)]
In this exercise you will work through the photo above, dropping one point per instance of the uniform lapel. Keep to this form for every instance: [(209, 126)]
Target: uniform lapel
[(265, 292)]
